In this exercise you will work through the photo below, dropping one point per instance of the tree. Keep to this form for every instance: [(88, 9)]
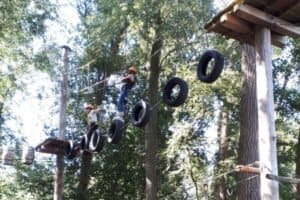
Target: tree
[(248, 142)]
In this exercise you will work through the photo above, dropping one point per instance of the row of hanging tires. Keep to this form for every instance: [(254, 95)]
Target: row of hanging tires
[(141, 112)]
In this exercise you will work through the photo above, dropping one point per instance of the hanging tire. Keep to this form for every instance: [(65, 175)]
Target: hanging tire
[(168, 92), (70, 150), (203, 65), (97, 141), (115, 131), (84, 143), (141, 114)]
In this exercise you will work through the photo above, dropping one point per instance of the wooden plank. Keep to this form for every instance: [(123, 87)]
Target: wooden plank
[(259, 17), (52, 146), (216, 19), (247, 169), (283, 179), (234, 23), (292, 14), (231, 34), (266, 122), (260, 4), (279, 6), (277, 40)]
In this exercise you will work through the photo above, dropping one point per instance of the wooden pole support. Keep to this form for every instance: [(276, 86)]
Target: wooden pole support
[(283, 179), (235, 24), (276, 24), (247, 169)]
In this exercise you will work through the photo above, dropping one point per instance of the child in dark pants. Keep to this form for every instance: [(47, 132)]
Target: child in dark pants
[(129, 80)]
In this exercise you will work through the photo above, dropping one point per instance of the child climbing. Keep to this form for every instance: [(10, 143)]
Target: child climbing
[(92, 118), (129, 80)]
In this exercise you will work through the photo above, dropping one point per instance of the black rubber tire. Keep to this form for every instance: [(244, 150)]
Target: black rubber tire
[(141, 113), (203, 65), (70, 151), (115, 131), (167, 92), (84, 143), (97, 141)]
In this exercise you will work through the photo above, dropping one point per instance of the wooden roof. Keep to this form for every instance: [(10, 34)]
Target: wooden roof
[(239, 19)]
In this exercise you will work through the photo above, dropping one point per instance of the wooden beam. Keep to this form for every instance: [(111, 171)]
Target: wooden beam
[(247, 169), (292, 14), (259, 17), (283, 179), (266, 123), (279, 40), (229, 34), (234, 23), (52, 146)]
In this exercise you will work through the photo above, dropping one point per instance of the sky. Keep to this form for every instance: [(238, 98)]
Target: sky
[(32, 113)]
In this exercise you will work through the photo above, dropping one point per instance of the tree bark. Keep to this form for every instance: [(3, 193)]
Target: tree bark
[(223, 146), (59, 175), (151, 128), (248, 141), (87, 157)]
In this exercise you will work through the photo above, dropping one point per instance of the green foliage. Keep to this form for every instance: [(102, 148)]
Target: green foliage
[(114, 35)]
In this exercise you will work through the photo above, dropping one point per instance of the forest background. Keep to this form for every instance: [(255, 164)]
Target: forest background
[(183, 149)]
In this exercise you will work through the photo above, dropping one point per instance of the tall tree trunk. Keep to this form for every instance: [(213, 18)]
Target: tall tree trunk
[(298, 165), (223, 146), (59, 175), (87, 157), (151, 128), (248, 142)]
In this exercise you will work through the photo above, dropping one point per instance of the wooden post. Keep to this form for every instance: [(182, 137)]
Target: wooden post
[(266, 123), (59, 175)]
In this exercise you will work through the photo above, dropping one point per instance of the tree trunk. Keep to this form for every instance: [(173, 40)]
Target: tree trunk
[(151, 128), (87, 157), (298, 164), (223, 146), (84, 176), (248, 142), (59, 175)]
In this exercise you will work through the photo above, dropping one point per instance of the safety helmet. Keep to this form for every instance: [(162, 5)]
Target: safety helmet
[(88, 106), (132, 69)]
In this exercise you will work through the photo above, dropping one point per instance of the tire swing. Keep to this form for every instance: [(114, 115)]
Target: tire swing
[(217, 68), (84, 143), (97, 142), (141, 114), (175, 98), (70, 150), (115, 131)]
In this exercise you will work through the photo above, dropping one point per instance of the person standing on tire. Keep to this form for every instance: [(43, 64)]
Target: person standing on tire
[(91, 118), (129, 80)]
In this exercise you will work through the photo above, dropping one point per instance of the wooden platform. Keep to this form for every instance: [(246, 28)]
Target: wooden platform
[(52, 146), (239, 19)]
